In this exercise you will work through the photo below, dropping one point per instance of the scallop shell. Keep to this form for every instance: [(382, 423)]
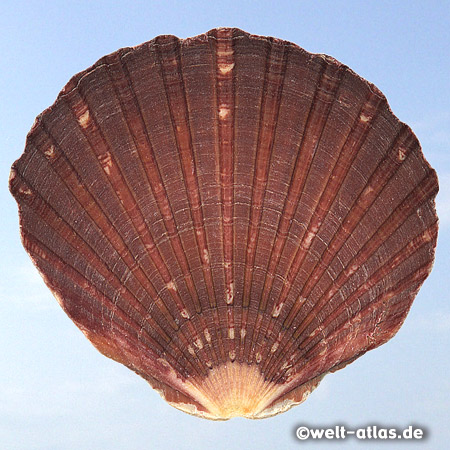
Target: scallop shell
[(229, 216)]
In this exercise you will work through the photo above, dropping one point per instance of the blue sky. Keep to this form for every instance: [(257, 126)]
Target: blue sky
[(56, 390)]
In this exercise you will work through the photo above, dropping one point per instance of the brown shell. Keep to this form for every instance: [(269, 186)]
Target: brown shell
[(229, 216)]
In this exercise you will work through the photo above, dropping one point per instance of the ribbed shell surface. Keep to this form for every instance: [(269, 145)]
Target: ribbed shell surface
[(229, 216)]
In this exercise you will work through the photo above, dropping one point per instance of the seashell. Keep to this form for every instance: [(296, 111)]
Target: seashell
[(229, 216)]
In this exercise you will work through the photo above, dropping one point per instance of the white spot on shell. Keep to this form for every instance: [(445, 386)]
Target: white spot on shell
[(84, 119), (225, 52), (232, 355), (351, 270), (316, 331), (231, 333), (258, 358), (207, 335), (277, 310), (184, 314), (171, 286), (309, 238), (191, 350), (119, 196), (427, 236), (243, 333), (205, 256), (364, 118), (198, 343), (223, 112), (24, 190), (106, 162), (230, 294), (274, 347), (401, 154), (164, 363), (226, 68), (50, 152)]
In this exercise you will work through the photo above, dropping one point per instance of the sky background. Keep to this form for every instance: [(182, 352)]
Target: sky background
[(56, 390)]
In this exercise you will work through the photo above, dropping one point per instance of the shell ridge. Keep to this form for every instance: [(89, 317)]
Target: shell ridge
[(259, 182), (43, 252), (174, 87), (50, 209), (293, 196), (154, 179), (198, 219), (106, 226), (225, 93), (269, 111), (153, 255), (419, 194), (367, 341), (72, 237), (200, 233), (385, 170), (152, 50), (252, 229), (71, 187), (408, 278), (376, 183), (347, 153), (116, 180), (327, 89), (410, 248), (149, 165), (408, 286), (318, 113), (82, 277), (218, 318)]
